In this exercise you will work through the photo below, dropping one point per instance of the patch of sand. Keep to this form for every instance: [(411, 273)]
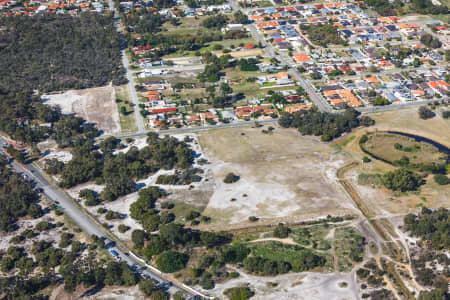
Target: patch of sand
[(61, 155), (95, 105), (304, 286)]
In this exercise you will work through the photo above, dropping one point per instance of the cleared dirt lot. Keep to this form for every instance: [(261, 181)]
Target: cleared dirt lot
[(96, 105), (282, 175), (302, 286)]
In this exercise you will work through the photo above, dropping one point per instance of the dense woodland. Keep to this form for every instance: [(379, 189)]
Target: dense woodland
[(431, 266), (17, 198), (431, 226), (323, 35), (56, 52), (326, 125), (393, 8)]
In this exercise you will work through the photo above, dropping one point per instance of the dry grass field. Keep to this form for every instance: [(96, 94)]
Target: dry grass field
[(282, 175), (408, 121), (381, 201), (383, 145)]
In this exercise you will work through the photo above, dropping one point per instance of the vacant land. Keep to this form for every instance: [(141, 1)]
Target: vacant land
[(393, 147), (282, 175), (408, 121), (123, 99), (95, 105), (306, 285), (379, 200)]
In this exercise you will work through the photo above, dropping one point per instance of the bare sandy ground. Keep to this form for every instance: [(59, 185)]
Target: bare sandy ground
[(304, 286), (282, 174), (95, 105)]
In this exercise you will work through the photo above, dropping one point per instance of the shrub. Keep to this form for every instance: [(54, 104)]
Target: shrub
[(446, 114), (44, 225), (101, 210), (426, 113), (167, 205), (238, 293), (192, 214), (231, 178), (206, 282), (123, 228), (401, 179), (441, 179), (253, 219), (281, 231), (112, 215)]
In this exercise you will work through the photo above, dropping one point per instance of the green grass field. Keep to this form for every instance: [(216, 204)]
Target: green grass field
[(393, 147), (123, 99), (277, 251)]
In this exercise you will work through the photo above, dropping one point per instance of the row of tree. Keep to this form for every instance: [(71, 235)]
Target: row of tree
[(326, 125)]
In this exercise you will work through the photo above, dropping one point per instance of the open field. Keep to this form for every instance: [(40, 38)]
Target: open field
[(127, 121), (276, 251), (380, 201), (282, 175), (95, 105), (408, 121), (383, 145)]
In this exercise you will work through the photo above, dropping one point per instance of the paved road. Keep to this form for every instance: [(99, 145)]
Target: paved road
[(129, 73)]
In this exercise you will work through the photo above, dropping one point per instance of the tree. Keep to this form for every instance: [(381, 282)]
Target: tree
[(216, 22), (435, 294), (225, 89), (315, 76), (426, 113), (401, 179), (281, 231), (179, 296), (379, 101), (123, 228), (430, 41), (171, 261), (240, 18), (138, 237), (92, 45), (231, 178), (239, 293), (160, 295)]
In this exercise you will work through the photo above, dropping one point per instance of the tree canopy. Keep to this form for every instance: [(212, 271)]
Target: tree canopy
[(55, 52)]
